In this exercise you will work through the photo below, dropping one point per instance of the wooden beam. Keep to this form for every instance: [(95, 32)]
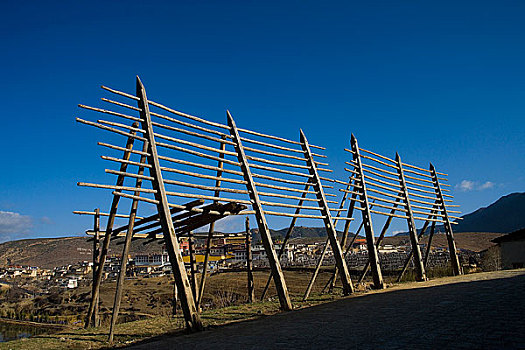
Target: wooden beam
[(204, 274), (286, 238), (328, 221), (454, 259), (109, 228), (378, 242), (191, 314), (278, 276), (367, 218), (249, 265), (125, 250), (418, 261)]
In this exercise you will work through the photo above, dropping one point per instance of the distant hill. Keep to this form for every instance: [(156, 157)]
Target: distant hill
[(505, 215), (52, 252)]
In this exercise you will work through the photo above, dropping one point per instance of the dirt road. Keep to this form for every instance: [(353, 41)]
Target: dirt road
[(478, 311)]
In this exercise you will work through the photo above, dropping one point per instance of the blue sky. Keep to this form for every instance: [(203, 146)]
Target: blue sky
[(441, 82)]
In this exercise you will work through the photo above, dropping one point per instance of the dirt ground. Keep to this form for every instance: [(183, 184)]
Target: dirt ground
[(477, 311)]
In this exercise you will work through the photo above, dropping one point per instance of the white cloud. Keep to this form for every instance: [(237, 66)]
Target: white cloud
[(13, 225), (465, 185), (468, 185), (487, 185)]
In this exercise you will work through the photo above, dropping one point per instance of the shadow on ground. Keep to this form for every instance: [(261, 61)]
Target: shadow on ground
[(486, 314)]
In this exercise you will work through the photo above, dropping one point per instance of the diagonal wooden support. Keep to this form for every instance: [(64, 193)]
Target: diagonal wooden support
[(344, 238), (456, 266), (379, 239), (418, 261), (107, 237), (249, 258), (429, 243), (421, 234), (191, 315), (328, 221), (96, 247), (286, 238), (125, 250), (278, 276), (373, 257), (325, 247), (204, 274)]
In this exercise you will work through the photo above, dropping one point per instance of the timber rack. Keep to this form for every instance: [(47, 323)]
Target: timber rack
[(223, 169), (387, 187)]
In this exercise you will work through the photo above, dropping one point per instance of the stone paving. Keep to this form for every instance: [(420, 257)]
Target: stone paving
[(478, 311)]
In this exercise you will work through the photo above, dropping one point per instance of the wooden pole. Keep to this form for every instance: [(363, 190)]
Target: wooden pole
[(193, 270), (454, 259), (378, 242), (328, 221), (249, 266), (429, 243), (278, 276), (125, 250), (367, 219), (325, 247), (204, 273), (191, 314), (107, 236), (286, 238), (411, 254), (416, 252), (344, 238), (96, 241)]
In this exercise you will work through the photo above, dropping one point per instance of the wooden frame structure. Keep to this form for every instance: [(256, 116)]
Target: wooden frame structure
[(400, 190), (388, 187), (248, 167)]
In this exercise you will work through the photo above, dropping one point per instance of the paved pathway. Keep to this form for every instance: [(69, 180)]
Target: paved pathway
[(488, 312)]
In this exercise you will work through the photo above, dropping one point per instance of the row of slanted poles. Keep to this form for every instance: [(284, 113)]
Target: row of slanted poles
[(249, 265), (96, 243), (414, 239), (127, 243), (348, 287), (186, 297), (278, 276), (211, 229), (373, 257), (108, 233), (325, 247)]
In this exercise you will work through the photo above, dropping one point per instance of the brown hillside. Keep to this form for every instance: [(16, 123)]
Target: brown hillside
[(52, 252)]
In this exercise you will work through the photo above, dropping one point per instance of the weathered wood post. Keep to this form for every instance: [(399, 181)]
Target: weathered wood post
[(286, 238), (96, 242), (411, 254), (416, 252), (127, 243), (429, 243), (373, 257), (379, 239), (191, 314), (249, 267), (211, 229), (109, 229), (193, 269), (328, 221), (278, 276), (456, 266)]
